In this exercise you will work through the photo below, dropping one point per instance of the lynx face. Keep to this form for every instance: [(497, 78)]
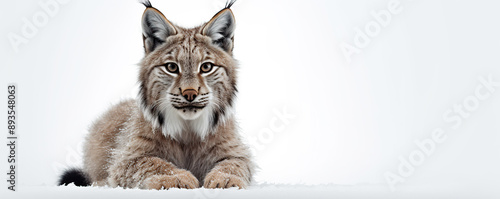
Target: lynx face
[(188, 76)]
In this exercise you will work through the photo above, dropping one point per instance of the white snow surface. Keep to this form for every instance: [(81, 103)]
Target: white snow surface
[(260, 191)]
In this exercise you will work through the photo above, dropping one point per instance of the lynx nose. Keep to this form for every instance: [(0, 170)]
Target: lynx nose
[(189, 94)]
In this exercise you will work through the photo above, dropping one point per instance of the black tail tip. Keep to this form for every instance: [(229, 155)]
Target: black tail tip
[(76, 176)]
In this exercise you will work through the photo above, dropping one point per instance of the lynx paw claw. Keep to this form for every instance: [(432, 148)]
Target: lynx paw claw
[(223, 180), (180, 180)]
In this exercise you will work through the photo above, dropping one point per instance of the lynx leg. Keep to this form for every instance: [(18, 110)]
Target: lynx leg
[(150, 173), (229, 173)]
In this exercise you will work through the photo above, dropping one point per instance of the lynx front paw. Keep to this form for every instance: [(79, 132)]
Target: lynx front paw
[(223, 180), (183, 179)]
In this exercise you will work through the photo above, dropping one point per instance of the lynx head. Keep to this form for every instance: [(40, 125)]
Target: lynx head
[(188, 76)]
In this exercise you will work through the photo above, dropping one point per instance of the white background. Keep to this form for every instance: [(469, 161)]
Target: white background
[(352, 120)]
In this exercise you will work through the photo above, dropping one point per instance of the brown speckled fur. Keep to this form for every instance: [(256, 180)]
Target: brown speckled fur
[(129, 147)]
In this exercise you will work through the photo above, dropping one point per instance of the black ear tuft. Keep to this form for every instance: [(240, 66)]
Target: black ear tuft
[(229, 4), (146, 3)]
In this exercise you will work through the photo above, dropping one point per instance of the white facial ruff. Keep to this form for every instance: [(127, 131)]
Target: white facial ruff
[(174, 125)]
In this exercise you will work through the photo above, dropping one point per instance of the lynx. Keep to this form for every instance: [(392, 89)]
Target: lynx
[(180, 132)]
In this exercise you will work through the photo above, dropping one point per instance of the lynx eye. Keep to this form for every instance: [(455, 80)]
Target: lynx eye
[(206, 67), (172, 67)]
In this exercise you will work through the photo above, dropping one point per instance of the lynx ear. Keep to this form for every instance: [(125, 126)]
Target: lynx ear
[(221, 29), (155, 28)]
